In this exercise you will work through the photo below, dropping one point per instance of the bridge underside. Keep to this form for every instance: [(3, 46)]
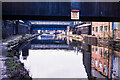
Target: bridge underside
[(49, 27), (61, 11)]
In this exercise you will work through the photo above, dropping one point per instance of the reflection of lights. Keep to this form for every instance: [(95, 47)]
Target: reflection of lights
[(56, 38), (53, 37), (21, 21), (60, 36), (38, 31), (39, 37)]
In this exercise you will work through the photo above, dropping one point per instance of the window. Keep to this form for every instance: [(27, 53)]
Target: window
[(101, 28), (100, 64), (105, 68), (93, 28), (109, 28), (101, 52), (96, 63), (92, 60), (93, 49), (96, 50), (96, 29), (105, 54), (105, 27)]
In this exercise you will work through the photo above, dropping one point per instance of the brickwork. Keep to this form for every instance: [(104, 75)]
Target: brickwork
[(117, 34), (102, 29)]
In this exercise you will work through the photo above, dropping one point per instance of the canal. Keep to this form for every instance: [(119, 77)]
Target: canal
[(57, 56)]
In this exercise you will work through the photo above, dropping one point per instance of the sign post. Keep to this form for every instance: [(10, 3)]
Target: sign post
[(75, 14)]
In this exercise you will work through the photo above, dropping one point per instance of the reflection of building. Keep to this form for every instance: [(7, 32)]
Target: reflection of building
[(69, 30), (102, 29), (86, 61), (86, 50), (103, 62), (25, 52), (69, 40), (100, 59), (116, 68)]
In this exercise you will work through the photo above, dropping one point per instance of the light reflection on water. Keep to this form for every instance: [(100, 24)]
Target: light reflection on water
[(55, 64), (61, 57)]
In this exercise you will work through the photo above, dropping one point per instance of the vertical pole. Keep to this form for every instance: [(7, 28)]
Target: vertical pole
[(113, 30)]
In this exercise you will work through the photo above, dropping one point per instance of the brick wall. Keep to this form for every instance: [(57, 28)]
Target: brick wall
[(117, 34), (98, 32)]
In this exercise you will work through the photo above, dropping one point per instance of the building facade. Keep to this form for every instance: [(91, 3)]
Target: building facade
[(81, 28), (14, 27), (102, 29), (106, 29), (116, 30)]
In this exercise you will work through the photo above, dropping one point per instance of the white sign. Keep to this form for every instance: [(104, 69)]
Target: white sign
[(75, 14)]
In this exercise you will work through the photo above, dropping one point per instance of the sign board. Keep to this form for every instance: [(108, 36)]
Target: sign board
[(75, 14)]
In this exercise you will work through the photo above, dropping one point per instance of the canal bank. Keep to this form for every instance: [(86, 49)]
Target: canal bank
[(11, 67)]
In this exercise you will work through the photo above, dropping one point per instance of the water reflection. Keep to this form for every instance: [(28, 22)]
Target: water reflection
[(105, 61), (55, 56)]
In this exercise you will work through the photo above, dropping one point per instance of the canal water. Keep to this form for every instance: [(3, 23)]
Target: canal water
[(56, 56)]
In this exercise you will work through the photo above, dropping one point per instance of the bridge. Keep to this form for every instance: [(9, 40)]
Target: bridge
[(61, 11), (48, 26)]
